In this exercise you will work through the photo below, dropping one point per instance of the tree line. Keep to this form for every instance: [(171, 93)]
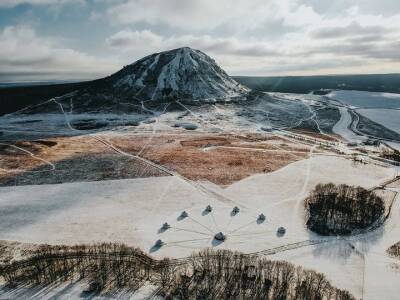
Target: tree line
[(342, 209), (229, 275), (208, 274)]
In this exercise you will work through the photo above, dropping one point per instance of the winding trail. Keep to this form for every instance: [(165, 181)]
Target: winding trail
[(342, 127), (53, 167), (303, 192)]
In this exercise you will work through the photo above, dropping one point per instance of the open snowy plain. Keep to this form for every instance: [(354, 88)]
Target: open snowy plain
[(132, 211)]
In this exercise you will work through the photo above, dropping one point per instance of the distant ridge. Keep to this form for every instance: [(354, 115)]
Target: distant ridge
[(389, 83)]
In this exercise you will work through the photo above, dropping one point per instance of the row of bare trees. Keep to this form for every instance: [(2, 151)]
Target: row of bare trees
[(103, 265), (205, 275), (230, 275), (342, 209)]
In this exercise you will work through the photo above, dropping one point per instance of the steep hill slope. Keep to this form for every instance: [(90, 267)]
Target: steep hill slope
[(178, 73), (181, 74)]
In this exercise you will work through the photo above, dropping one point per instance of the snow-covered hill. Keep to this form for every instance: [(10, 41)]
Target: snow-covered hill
[(178, 73), (182, 74)]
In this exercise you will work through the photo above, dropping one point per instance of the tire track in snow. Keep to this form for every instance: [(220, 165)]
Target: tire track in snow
[(303, 190)]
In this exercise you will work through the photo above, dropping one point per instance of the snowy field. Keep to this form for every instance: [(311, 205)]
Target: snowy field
[(275, 110), (132, 211), (281, 111), (51, 125), (75, 290)]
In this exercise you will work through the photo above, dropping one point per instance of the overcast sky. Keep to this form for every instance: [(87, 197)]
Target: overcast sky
[(82, 39)]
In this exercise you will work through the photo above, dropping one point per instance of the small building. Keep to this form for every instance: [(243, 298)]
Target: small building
[(159, 243), (281, 231), (220, 236), (261, 217), (165, 226), (235, 210)]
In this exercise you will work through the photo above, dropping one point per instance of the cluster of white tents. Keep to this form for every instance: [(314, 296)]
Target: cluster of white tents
[(220, 236)]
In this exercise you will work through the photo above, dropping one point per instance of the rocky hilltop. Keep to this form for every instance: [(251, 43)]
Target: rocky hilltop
[(182, 74), (179, 73)]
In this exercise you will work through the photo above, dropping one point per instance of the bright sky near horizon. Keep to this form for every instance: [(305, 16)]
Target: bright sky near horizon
[(84, 39)]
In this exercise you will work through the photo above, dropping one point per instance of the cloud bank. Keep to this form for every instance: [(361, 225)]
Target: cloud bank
[(258, 37), (24, 54)]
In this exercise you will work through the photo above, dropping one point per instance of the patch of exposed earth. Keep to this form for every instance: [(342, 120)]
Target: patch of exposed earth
[(69, 159), (219, 158)]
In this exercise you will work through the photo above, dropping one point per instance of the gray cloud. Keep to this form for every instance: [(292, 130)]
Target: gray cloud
[(22, 51), (128, 40), (353, 29), (337, 7), (13, 3), (245, 37), (199, 15), (386, 50)]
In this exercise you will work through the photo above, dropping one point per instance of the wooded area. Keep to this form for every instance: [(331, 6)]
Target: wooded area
[(206, 275), (342, 209)]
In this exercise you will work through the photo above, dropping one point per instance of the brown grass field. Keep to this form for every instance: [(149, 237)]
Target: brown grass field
[(219, 158)]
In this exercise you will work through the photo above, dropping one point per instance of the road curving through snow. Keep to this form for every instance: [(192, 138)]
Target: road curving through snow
[(342, 127)]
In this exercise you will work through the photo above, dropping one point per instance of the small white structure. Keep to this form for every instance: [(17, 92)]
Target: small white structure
[(281, 230), (220, 236), (261, 217), (159, 243), (165, 226), (208, 208), (235, 210)]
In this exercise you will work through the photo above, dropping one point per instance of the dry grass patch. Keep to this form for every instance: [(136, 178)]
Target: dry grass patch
[(71, 159), (221, 159), (327, 137)]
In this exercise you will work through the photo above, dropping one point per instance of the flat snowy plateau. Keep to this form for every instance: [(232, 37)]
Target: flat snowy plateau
[(132, 211)]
